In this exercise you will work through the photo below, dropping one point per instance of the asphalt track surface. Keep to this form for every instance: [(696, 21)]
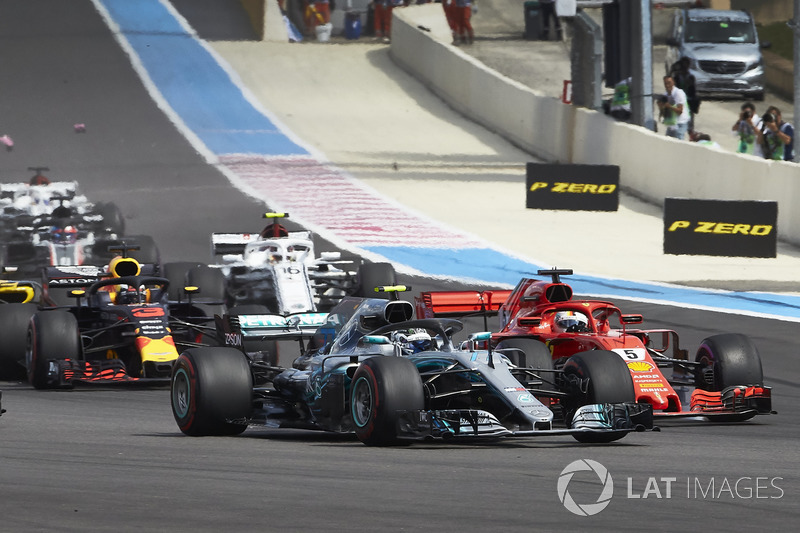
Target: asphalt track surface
[(93, 460)]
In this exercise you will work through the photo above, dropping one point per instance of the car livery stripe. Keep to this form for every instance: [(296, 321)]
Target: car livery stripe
[(217, 114)]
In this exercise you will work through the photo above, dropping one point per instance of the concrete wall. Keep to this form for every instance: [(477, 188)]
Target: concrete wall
[(652, 166)]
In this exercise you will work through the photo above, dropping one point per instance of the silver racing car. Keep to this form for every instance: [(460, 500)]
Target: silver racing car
[(367, 368)]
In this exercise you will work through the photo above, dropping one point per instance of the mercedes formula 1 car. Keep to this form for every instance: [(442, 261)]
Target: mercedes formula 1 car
[(367, 367), (279, 269), (119, 326), (544, 328)]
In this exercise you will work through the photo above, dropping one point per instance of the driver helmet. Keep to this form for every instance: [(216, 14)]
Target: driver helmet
[(413, 340), (571, 322), (127, 295), (124, 266), (65, 235)]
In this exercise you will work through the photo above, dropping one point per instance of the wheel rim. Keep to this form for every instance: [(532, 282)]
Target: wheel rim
[(362, 402), (181, 393), (29, 361)]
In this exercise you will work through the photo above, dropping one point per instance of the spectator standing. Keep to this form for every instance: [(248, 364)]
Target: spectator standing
[(685, 81), (463, 14), (620, 106), (771, 136), (548, 8), (674, 110), (383, 18), (449, 6), (788, 130), (745, 127)]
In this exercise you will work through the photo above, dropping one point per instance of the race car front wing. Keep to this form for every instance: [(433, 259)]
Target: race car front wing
[(473, 423)]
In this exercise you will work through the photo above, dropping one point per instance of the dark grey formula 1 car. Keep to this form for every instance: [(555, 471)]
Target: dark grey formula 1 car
[(368, 368)]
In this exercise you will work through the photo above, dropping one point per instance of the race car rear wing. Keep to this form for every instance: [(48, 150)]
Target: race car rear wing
[(434, 304), (235, 243)]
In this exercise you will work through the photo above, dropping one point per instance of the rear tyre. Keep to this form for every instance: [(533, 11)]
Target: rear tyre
[(52, 336), (726, 360), (210, 281), (148, 253), (211, 392), (14, 320), (381, 387), (176, 274), (371, 275), (608, 380), (527, 353), (113, 221)]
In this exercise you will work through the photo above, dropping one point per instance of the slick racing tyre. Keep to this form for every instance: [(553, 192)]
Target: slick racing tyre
[(596, 376), (726, 360), (14, 320), (210, 281), (176, 274), (529, 353), (381, 387), (113, 221), (371, 275), (52, 335), (211, 392), (148, 253)]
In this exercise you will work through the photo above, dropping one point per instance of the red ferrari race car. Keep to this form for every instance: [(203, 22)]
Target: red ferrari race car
[(542, 326)]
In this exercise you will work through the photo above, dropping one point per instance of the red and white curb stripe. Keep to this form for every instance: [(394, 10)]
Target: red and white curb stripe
[(326, 197)]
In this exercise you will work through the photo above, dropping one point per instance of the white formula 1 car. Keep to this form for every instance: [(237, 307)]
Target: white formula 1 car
[(278, 269)]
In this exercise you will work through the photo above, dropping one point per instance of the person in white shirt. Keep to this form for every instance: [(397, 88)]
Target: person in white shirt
[(674, 110)]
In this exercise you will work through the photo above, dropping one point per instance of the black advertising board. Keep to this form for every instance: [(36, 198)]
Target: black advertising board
[(731, 228), (572, 187)]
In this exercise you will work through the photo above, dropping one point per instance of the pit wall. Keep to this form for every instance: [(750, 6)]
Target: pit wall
[(652, 166)]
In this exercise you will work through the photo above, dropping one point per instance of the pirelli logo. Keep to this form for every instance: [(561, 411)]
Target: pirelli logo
[(720, 227), (572, 187)]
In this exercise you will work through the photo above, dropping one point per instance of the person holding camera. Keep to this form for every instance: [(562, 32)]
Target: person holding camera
[(746, 127), (772, 137), (674, 110)]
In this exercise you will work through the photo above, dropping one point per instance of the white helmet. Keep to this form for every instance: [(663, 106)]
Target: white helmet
[(571, 322), (413, 340)]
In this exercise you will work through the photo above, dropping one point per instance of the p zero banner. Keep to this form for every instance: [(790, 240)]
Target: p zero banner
[(572, 187), (730, 228)]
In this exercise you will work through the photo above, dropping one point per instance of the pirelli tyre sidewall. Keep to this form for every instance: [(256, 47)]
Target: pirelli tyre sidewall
[(52, 336), (14, 320), (726, 360), (212, 391), (381, 387), (603, 376)]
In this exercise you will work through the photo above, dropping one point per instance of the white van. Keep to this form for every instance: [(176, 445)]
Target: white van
[(723, 49)]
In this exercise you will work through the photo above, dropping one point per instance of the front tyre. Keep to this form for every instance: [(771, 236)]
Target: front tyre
[(211, 392), (726, 360), (14, 320), (381, 388), (597, 376), (52, 336)]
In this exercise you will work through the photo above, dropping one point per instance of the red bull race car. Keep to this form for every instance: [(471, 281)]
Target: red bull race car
[(543, 328), (119, 326)]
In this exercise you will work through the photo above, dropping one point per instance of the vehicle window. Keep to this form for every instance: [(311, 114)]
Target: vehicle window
[(718, 31)]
